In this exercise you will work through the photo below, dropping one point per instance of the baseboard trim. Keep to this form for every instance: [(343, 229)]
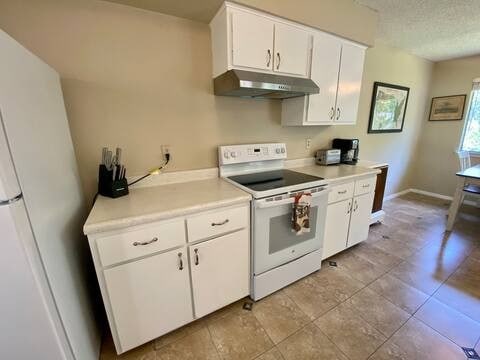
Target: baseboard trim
[(432, 194), (393, 196), (426, 193)]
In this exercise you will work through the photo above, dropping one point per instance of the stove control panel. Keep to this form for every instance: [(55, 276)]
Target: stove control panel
[(236, 154)]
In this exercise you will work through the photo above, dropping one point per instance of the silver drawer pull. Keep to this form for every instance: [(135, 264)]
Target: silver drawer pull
[(221, 223), (136, 243), (180, 261), (366, 185), (342, 192), (197, 261)]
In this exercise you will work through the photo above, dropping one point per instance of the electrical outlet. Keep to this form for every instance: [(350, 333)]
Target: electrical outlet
[(166, 149), (308, 143)]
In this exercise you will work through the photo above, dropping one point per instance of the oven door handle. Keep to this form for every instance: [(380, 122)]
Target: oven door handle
[(263, 204)]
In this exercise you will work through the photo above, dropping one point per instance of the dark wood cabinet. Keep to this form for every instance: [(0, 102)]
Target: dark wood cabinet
[(380, 189)]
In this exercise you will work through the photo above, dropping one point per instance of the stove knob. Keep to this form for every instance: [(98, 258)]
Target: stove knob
[(283, 150), (233, 154), (277, 150), (226, 155)]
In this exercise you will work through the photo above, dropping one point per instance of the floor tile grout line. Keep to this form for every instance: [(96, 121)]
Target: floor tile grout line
[(439, 333), (413, 315), (432, 296), (266, 332), (331, 340), (372, 325), (213, 342)]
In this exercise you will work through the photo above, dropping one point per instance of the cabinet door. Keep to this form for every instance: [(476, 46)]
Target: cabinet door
[(349, 83), (360, 220), (336, 228), (324, 72), (220, 271), (149, 297), (252, 41), (292, 50)]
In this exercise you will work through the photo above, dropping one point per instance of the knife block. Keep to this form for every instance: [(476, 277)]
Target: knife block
[(109, 187)]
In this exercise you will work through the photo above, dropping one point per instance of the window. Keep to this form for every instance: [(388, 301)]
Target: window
[(471, 131)]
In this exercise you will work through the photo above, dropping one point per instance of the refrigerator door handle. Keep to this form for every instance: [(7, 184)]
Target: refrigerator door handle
[(12, 200)]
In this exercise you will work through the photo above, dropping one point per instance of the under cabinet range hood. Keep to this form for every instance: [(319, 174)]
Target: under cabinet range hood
[(252, 84)]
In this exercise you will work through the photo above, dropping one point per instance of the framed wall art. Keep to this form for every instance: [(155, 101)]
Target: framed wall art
[(389, 104), (446, 108)]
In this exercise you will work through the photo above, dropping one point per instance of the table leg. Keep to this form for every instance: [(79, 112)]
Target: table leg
[(456, 202)]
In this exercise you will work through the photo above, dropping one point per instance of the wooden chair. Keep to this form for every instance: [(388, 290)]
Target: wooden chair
[(469, 189)]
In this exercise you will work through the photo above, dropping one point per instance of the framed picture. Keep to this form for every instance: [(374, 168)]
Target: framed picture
[(447, 108), (389, 104)]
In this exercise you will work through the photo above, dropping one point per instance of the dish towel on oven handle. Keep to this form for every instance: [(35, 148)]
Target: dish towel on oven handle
[(301, 213)]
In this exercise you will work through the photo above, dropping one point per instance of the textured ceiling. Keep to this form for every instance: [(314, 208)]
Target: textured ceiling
[(432, 29)]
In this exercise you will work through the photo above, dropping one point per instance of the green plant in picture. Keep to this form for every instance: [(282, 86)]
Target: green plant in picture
[(388, 108)]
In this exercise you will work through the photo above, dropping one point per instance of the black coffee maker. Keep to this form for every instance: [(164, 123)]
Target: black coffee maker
[(349, 150)]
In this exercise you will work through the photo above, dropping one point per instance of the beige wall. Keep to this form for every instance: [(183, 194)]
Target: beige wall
[(437, 162), (139, 79), (353, 21)]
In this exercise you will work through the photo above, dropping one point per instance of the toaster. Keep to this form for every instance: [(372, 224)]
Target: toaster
[(327, 156)]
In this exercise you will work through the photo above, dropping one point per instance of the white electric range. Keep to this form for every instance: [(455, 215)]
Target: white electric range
[(279, 255)]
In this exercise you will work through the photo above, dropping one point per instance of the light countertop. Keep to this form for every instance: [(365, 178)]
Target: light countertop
[(337, 173), (371, 164), (148, 204)]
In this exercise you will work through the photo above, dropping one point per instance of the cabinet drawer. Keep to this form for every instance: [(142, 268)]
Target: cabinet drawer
[(129, 245), (217, 222), (341, 192), (365, 186)]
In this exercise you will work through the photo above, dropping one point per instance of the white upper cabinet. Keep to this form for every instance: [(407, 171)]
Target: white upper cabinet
[(246, 39), (337, 69), (349, 83), (292, 50), (252, 41), (326, 55)]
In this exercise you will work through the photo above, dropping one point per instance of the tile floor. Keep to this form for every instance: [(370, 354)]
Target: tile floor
[(409, 292)]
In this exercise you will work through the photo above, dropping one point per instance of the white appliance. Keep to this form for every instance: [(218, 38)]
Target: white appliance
[(280, 256), (44, 304)]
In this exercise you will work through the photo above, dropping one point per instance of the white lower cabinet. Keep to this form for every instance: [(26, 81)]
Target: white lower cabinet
[(148, 273), (348, 220), (360, 219), (218, 270), (336, 228), (149, 297)]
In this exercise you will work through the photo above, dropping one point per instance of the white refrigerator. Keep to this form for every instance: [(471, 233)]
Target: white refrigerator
[(45, 307)]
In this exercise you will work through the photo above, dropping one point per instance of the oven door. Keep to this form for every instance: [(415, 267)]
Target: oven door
[(274, 241)]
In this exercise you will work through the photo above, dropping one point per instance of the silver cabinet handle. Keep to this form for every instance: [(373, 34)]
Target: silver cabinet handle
[(342, 192), (366, 185), (349, 207), (332, 113), (269, 58), (196, 257), (136, 243), (338, 113), (220, 223), (356, 206), (278, 60), (180, 261)]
